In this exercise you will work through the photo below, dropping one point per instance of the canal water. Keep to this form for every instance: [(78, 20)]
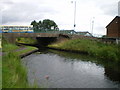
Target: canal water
[(53, 69)]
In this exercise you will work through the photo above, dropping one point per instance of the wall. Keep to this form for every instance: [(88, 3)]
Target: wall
[(113, 29)]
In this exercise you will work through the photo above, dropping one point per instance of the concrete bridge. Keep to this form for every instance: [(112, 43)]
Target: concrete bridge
[(11, 37), (15, 35), (44, 38)]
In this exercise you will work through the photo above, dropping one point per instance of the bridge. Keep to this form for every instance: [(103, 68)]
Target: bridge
[(42, 38), (11, 37)]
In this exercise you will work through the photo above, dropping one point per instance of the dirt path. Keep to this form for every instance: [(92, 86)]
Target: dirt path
[(20, 49)]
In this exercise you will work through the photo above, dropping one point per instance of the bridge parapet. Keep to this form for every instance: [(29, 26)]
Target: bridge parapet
[(11, 37), (29, 35)]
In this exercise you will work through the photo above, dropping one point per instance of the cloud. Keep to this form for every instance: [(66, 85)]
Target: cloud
[(23, 11), (109, 8), (61, 11)]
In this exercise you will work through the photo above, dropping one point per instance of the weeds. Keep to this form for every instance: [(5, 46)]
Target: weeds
[(14, 74), (94, 48)]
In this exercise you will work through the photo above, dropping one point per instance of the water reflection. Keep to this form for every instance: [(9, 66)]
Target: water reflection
[(67, 70), (112, 73), (112, 70)]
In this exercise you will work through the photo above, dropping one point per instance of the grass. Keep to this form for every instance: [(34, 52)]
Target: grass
[(0, 72), (26, 40), (27, 49), (14, 74), (94, 48), (9, 47)]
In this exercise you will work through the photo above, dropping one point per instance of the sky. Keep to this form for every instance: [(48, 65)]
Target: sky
[(23, 12)]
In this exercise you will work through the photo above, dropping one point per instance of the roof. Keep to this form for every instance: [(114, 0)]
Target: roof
[(67, 30), (84, 33), (113, 20)]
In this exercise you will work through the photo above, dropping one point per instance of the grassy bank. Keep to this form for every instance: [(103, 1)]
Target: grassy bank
[(26, 40), (0, 71), (94, 48), (25, 50), (14, 74)]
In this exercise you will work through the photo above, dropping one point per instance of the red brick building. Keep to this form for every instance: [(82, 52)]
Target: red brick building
[(113, 28)]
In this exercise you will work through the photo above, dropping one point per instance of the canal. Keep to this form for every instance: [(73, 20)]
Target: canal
[(56, 69)]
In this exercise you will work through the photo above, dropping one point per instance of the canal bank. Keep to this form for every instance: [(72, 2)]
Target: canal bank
[(12, 64), (97, 49), (14, 74)]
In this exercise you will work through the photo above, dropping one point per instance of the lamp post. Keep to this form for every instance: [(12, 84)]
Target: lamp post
[(92, 25), (74, 13)]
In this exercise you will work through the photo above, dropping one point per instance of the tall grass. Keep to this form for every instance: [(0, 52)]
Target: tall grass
[(14, 74), (6, 46), (0, 72), (9, 47), (94, 48)]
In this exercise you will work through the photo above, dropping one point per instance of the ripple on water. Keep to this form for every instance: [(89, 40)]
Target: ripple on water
[(65, 72)]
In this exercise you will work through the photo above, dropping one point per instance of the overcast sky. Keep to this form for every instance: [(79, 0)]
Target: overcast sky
[(23, 12)]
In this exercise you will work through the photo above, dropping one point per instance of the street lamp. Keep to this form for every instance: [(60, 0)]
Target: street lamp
[(92, 25), (74, 13)]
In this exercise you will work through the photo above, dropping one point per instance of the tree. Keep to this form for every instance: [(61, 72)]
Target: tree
[(35, 25), (40, 25), (44, 25)]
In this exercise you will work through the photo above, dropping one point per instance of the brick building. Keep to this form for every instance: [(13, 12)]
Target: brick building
[(113, 28)]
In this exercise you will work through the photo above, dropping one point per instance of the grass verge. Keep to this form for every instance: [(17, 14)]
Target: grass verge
[(14, 74), (26, 50), (26, 40), (94, 48)]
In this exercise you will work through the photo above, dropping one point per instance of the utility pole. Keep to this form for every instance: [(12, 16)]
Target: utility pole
[(74, 14), (92, 25), (119, 8)]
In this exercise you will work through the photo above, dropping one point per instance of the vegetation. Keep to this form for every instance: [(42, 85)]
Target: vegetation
[(27, 49), (26, 40), (44, 25), (9, 47), (6, 47), (94, 48), (0, 72), (13, 73)]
